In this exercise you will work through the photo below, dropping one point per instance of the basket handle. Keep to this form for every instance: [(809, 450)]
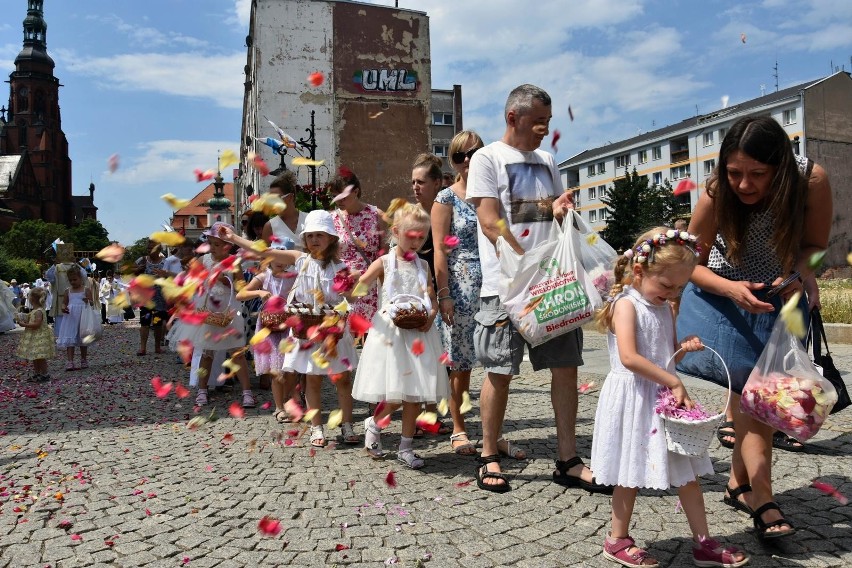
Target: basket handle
[(724, 366)]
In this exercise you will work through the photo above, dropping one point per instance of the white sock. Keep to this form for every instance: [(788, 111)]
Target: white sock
[(405, 444)]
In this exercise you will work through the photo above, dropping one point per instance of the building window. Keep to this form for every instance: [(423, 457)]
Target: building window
[(444, 118), (680, 172), (601, 191), (790, 116), (603, 214), (440, 150), (622, 161), (658, 178), (576, 195), (722, 132), (709, 166), (593, 216), (656, 152), (590, 171), (708, 138), (601, 167), (591, 193), (643, 156)]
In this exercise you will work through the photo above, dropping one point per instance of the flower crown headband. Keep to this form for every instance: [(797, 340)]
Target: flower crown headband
[(644, 251)]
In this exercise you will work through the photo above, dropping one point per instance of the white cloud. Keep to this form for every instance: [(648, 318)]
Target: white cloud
[(170, 161), (147, 36), (242, 8), (214, 77)]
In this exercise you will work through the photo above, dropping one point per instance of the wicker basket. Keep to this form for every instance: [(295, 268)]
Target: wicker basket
[(311, 319), (219, 319), (273, 321), (693, 437), (410, 318)]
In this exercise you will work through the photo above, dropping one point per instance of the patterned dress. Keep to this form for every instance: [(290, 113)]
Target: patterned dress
[(37, 343), (360, 231), (465, 280), (269, 360), (629, 443)]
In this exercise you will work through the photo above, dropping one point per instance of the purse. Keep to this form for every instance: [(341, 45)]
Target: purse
[(406, 310), (824, 363)]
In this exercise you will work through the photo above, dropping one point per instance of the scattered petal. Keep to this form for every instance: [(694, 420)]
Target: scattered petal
[(466, 406), (417, 347), (335, 417), (300, 161), (112, 163), (792, 316), (584, 388), (390, 479), (236, 410), (316, 79), (174, 202), (76, 537), (685, 186), (112, 253), (268, 526)]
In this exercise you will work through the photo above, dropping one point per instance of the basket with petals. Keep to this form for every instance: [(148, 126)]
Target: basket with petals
[(273, 320), (310, 316), (689, 432), (218, 319), (407, 312)]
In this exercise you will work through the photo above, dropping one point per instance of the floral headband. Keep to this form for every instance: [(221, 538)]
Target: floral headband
[(645, 250)]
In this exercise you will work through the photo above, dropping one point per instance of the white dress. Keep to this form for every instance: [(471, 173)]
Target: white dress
[(629, 444), (389, 370), (311, 277), (69, 329)]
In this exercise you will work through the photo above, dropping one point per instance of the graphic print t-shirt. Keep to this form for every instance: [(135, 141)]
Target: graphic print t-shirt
[(525, 183)]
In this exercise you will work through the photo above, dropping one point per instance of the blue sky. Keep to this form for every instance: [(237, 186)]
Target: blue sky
[(160, 82)]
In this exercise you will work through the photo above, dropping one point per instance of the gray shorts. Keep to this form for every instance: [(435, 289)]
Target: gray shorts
[(500, 348)]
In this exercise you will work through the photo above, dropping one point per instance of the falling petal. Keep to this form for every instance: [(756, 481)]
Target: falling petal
[(849, 258), (792, 316), (684, 186), (260, 335), (417, 347), (585, 387), (592, 239), (294, 410), (361, 290), (383, 423), (501, 225), (309, 415), (451, 241), (257, 162), (316, 79), (168, 238), (830, 490), (160, 389), (335, 417), (570, 113), (390, 479), (556, 136), (376, 114), (236, 410), (466, 406), (409, 256), (815, 260), (269, 526), (112, 253), (526, 233), (445, 360), (112, 163), (174, 202), (443, 408), (300, 161), (205, 175), (743, 38), (228, 158), (181, 391), (359, 325)]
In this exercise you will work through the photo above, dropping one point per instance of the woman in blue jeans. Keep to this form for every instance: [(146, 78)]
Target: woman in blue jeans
[(765, 212)]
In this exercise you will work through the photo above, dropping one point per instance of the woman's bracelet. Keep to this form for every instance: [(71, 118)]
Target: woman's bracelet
[(442, 298), (447, 288)]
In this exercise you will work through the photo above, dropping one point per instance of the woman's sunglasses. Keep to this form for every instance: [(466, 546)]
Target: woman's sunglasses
[(458, 157)]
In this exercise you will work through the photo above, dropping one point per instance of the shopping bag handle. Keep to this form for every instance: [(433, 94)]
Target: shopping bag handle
[(724, 366)]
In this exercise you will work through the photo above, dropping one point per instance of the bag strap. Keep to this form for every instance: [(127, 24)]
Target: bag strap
[(820, 338), (421, 278), (207, 297)]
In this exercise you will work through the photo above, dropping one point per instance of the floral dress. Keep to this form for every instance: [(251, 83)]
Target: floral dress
[(360, 237), (37, 343), (465, 280)]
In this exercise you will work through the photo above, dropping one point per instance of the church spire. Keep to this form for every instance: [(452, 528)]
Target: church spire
[(35, 35)]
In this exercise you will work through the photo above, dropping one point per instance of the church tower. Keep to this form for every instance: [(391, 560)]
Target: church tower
[(31, 126)]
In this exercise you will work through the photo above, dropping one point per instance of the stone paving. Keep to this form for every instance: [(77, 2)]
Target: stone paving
[(97, 471)]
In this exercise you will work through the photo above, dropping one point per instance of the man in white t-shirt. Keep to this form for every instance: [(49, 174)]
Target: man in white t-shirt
[(517, 193)]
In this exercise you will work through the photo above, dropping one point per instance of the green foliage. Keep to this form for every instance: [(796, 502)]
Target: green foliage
[(131, 253), (30, 239), (24, 269), (304, 203), (835, 295), (89, 235), (634, 206)]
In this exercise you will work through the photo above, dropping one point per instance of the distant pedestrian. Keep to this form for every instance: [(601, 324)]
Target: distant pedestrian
[(629, 447), (152, 264), (77, 297), (37, 342)]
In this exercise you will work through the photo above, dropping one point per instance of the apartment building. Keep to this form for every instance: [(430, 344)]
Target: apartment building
[(446, 122), (817, 115)]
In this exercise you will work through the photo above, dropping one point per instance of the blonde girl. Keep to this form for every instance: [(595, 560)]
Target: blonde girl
[(37, 342), (629, 447), (274, 281), (314, 285), (401, 367), (78, 297)]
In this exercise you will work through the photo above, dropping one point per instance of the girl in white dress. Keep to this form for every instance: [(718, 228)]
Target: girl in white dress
[(314, 283), (629, 446), (401, 367), (78, 297)]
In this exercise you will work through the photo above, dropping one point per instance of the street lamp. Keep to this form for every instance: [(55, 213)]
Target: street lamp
[(280, 148)]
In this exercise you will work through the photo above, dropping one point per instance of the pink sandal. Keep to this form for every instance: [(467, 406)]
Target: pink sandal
[(709, 553), (617, 552)]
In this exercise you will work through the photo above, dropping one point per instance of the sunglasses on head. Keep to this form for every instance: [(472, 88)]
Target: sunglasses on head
[(458, 157)]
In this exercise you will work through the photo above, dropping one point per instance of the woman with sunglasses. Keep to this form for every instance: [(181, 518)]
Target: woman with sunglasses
[(362, 233), (459, 278)]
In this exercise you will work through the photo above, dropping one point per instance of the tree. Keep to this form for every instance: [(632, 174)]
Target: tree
[(131, 253), (32, 239), (623, 204), (89, 235), (660, 206)]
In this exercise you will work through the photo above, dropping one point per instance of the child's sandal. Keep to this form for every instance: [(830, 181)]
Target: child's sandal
[(617, 552), (350, 438), (317, 437), (410, 459), (373, 439), (709, 553)]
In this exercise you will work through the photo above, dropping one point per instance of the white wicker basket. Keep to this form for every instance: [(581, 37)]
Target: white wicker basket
[(693, 437)]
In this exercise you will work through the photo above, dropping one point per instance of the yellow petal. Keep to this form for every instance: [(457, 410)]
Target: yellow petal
[(121, 300), (442, 407), (260, 335), (466, 406), (592, 238), (319, 359), (168, 238), (427, 417), (309, 415), (175, 202), (286, 345), (228, 158), (792, 316), (360, 290), (144, 281), (849, 258), (259, 246), (501, 225), (269, 203), (335, 417), (342, 307), (300, 161), (111, 253)]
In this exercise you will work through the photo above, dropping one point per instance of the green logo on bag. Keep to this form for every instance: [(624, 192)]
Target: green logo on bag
[(548, 266), (566, 298)]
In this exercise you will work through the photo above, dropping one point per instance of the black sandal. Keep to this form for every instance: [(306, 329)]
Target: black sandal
[(731, 500), (729, 432), (482, 474), (562, 477), (782, 441), (762, 528)]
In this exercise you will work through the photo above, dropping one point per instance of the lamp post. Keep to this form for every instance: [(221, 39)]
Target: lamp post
[(309, 143)]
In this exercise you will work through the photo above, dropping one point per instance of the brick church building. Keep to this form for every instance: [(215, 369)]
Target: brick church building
[(35, 169)]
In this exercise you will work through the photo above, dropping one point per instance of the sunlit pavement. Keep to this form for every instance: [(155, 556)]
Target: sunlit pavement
[(96, 470)]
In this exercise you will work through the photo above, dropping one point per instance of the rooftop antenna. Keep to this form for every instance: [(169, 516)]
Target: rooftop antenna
[(776, 75)]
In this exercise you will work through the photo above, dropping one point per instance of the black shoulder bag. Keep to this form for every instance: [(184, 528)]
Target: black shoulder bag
[(824, 363)]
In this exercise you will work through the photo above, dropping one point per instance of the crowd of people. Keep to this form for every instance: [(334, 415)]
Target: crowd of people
[(415, 272)]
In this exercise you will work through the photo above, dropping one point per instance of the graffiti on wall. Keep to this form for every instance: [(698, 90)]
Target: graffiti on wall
[(386, 80)]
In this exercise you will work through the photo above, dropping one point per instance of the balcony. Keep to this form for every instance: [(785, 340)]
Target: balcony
[(679, 156)]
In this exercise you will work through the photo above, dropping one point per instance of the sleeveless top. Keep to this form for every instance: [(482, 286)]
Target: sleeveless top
[(654, 337), (282, 231), (759, 262)]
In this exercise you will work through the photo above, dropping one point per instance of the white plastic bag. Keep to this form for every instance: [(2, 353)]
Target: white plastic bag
[(550, 293), (598, 256), (90, 324)]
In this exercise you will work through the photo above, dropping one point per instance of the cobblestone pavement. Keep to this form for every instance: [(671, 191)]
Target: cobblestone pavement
[(97, 471)]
